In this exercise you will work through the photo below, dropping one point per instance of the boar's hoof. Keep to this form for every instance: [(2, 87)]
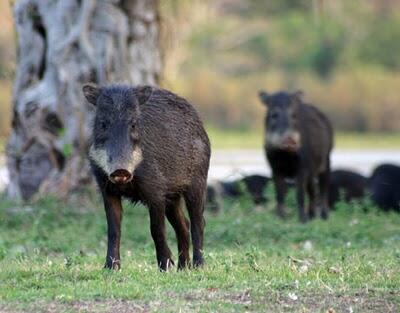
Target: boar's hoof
[(120, 177), (183, 265), (113, 264), (311, 214), (281, 212), (303, 218), (198, 262), (324, 215), (166, 264)]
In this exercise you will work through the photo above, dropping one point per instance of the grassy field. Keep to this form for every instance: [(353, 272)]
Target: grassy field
[(51, 257), (253, 139)]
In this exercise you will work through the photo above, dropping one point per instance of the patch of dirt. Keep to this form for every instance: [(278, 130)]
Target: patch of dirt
[(243, 301), (336, 303), (213, 294), (90, 306)]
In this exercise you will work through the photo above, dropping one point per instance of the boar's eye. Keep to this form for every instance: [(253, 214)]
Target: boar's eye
[(104, 125), (134, 134), (133, 127), (274, 115)]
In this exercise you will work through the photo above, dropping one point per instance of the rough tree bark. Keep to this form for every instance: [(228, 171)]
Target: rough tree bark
[(61, 45)]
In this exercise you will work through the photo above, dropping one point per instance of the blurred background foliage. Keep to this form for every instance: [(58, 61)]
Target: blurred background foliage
[(7, 67), (344, 55)]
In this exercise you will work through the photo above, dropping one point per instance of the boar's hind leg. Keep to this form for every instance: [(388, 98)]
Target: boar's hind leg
[(324, 191), (157, 228), (194, 198), (312, 194), (301, 187), (113, 209), (180, 224)]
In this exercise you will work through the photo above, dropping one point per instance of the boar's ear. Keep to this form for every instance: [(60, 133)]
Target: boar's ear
[(91, 93), (144, 93), (264, 97), (297, 96)]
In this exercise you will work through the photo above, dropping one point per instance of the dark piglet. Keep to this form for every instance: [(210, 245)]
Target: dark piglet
[(254, 185), (298, 143), (213, 198), (347, 184), (384, 187), (149, 145)]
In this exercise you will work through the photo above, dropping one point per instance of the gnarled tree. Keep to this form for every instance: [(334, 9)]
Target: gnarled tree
[(61, 45)]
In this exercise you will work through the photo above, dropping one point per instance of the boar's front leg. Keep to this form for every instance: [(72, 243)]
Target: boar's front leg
[(113, 207), (280, 191)]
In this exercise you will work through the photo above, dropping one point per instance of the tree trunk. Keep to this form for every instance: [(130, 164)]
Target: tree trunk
[(61, 45)]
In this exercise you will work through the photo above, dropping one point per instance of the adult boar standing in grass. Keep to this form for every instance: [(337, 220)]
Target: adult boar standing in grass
[(149, 145), (298, 143)]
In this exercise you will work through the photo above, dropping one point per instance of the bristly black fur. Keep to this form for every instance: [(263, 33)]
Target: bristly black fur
[(175, 153), (308, 161), (384, 186)]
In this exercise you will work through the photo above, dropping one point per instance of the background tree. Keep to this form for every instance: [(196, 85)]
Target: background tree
[(61, 45)]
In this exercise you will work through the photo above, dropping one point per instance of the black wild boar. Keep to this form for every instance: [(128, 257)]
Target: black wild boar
[(347, 183), (213, 198), (298, 142), (149, 145), (254, 185), (384, 187)]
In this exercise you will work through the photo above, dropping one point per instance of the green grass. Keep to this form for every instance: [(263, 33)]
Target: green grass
[(253, 139), (235, 139), (368, 141), (52, 253)]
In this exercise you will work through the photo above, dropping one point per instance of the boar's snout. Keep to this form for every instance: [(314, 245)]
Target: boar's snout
[(120, 177), (290, 144)]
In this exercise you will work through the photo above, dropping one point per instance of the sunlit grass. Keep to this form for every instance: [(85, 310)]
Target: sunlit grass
[(253, 139), (51, 254), (235, 139), (368, 141)]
